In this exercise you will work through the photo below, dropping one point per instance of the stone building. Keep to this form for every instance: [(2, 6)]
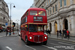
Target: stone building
[(4, 13), (32, 6), (11, 23), (17, 26), (60, 14)]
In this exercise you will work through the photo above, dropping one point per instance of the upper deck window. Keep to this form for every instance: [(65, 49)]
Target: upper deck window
[(33, 12), (27, 13), (41, 13)]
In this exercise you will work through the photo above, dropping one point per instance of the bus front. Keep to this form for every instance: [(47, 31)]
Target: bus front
[(36, 33)]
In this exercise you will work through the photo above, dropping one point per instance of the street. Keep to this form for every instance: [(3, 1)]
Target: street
[(14, 42), (48, 23)]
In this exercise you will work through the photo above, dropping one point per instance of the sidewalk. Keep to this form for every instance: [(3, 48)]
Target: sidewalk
[(4, 34), (72, 39), (15, 33)]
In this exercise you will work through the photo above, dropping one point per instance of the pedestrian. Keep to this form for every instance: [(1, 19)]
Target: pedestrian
[(60, 32), (6, 32), (65, 33), (57, 33), (48, 32), (68, 34), (9, 33)]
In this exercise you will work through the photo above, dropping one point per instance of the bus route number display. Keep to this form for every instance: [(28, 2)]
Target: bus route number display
[(37, 18)]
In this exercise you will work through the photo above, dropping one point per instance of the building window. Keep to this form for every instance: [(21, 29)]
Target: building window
[(55, 7), (50, 0), (47, 12), (60, 3), (46, 3), (64, 2), (71, 1), (3, 6), (50, 10)]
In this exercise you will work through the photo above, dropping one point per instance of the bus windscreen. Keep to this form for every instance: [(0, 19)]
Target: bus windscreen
[(35, 28), (32, 28)]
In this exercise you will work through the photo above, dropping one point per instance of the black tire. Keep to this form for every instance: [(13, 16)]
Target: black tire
[(18, 35), (26, 41), (44, 43), (21, 38)]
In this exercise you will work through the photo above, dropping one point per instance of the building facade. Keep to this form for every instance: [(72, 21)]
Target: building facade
[(32, 6), (60, 14), (4, 13), (11, 23), (17, 26)]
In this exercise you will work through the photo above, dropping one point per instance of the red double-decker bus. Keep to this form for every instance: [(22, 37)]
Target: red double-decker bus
[(32, 26)]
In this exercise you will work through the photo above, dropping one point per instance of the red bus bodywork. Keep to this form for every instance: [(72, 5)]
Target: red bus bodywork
[(32, 26)]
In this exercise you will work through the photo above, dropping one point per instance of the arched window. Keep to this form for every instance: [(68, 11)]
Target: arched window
[(60, 3), (50, 10), (64, 2), (55, 7)]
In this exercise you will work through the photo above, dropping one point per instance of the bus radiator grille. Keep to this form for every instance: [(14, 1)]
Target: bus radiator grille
[(38, 38)]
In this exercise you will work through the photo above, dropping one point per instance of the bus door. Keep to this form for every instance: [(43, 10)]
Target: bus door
[(26, 29), (23, 30)]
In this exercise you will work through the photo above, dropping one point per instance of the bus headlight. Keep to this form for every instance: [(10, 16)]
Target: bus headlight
[(45, 37), (30, 37)]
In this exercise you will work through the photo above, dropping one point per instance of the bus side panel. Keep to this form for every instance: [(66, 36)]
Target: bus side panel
[(26, 34), (45, 19), (30, 19), (21, 34)]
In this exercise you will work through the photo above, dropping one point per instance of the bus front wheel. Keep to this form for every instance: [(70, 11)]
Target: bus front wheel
[(44, 43), (26, 41), (21, 38)]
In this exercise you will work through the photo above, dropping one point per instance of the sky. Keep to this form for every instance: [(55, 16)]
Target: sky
[(20, 8)]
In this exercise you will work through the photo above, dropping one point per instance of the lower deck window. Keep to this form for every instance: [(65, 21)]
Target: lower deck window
[(35, 28)]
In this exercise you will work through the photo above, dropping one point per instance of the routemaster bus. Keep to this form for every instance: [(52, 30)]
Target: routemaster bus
[(32, 26)]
